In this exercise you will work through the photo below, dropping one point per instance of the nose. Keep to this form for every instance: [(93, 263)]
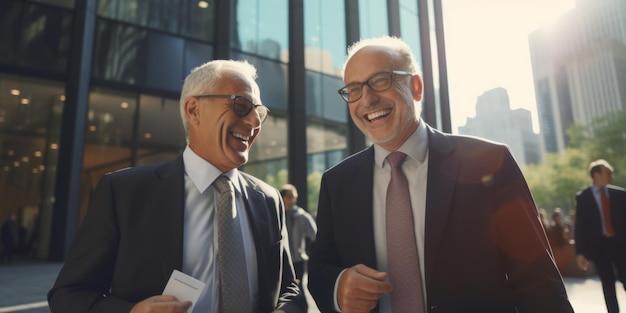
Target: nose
[(367, 93), (253, 119)]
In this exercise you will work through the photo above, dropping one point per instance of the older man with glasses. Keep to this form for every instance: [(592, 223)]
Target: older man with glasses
[(197, 214), (424, 221)]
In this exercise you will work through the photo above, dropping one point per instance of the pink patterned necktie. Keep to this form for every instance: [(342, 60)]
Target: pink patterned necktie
[(403, 260)]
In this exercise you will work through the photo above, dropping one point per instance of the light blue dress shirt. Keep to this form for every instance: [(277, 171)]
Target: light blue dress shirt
[(200, 230)]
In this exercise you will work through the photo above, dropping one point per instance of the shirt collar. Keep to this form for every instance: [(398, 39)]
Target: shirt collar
[(596, 189), (415, 147), (202, 173)]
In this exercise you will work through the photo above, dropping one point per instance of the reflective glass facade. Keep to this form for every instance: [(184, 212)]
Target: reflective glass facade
[(98, 82)]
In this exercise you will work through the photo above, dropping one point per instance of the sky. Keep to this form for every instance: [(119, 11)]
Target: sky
[(487, 47)]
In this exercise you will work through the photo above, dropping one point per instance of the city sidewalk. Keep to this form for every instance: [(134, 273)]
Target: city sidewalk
[(23, 289)]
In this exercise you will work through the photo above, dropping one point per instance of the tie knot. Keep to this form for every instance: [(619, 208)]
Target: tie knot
[(223, 184), (396, 158)]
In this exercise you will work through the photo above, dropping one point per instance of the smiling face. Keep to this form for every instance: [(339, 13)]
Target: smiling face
[(387, 117), (216, 133)]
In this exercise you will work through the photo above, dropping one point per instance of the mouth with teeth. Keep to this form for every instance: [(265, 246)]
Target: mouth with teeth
[(241, 136), (377, 115)]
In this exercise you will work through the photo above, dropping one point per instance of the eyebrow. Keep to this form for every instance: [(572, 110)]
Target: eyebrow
[(368, 77)]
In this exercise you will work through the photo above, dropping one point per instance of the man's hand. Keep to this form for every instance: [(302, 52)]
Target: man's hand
[(161, 304), (360, 288), (582, 262)]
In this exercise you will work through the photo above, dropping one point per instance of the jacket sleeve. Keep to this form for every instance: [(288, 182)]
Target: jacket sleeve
[(84, 281), (535, 283), (291, 298), (323, 268)]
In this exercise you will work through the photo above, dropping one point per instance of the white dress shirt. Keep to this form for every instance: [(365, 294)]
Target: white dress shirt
[(415, 168), (200, 230)]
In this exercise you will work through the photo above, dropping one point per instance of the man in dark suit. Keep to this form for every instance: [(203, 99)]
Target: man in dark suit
[(147, 221), (477, 240), (600, 234)]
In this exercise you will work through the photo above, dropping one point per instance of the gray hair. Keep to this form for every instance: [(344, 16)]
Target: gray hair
[(394, 43), (206, 78)]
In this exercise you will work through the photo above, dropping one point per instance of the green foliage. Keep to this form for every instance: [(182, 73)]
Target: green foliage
[(577, 135), (554, 183), (609, 142), (313, 184), (281, 178)]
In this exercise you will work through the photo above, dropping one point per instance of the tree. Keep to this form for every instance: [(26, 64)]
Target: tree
[(554, 182), (313, 181), (609, 142)]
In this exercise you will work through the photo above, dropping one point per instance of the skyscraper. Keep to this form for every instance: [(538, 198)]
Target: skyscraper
[(496, 121), (579, 68)]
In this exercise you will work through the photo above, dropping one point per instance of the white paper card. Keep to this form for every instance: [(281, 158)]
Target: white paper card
[(184, 288)]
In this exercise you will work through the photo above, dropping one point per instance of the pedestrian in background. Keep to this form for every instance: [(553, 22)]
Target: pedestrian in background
[(301, 228), (559, 233), (9, 238), (600, 234)]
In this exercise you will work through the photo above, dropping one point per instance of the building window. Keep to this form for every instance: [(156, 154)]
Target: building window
[(185, 17), (325, 36), (373, 18), (35, 36), (30, 119), (261, 28)]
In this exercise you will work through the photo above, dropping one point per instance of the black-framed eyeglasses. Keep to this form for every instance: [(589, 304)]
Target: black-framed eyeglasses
[(242, 105), (380, 81)]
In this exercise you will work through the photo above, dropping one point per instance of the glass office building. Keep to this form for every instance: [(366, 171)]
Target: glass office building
[(92, 86)]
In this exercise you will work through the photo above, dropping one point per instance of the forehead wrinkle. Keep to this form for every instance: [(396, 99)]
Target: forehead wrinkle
[(378, 57), (236, 83)]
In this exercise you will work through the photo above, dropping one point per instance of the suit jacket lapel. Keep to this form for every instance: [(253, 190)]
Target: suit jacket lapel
[(360, 213), (168, 201), (443, 170), (259, 219)]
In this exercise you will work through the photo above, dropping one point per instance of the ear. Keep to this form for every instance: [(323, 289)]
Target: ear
[(416, 87), (192, 107)]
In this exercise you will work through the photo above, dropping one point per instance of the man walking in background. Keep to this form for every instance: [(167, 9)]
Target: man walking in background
[(301, 228), (601, 230)]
